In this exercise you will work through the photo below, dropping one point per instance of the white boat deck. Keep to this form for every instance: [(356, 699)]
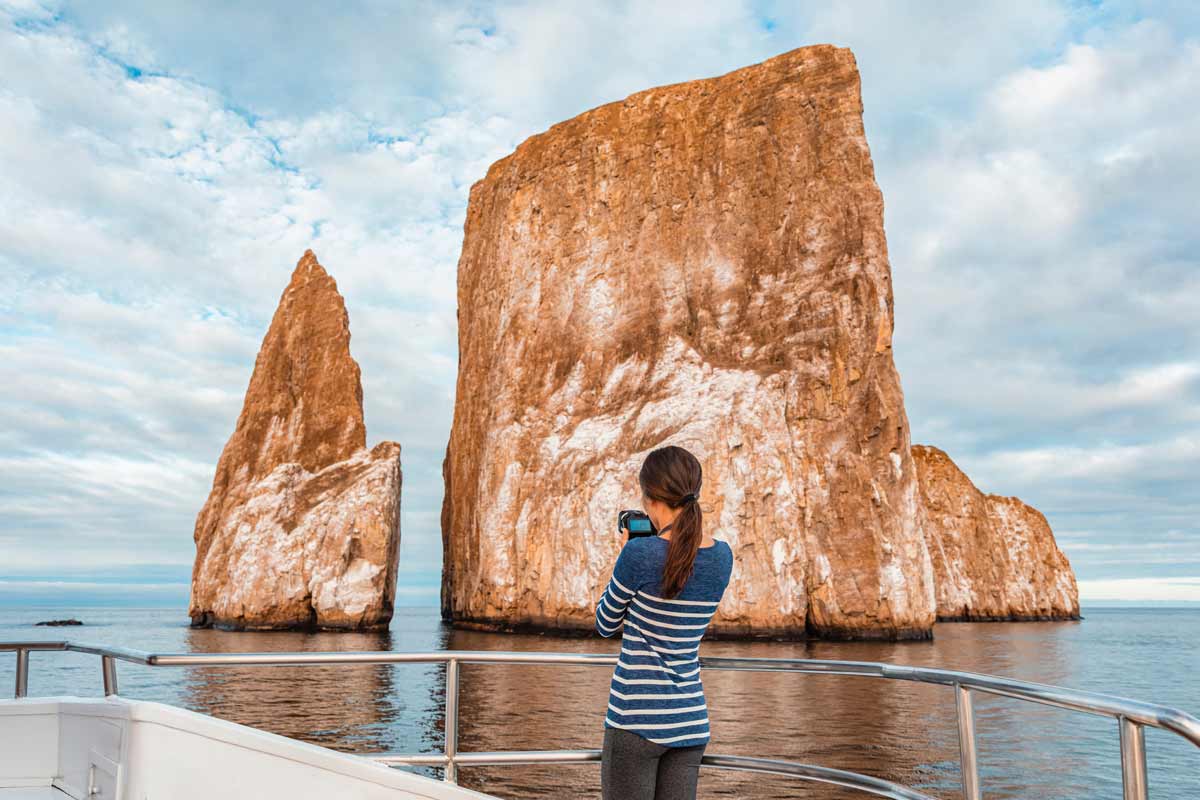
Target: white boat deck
[(54, 748)]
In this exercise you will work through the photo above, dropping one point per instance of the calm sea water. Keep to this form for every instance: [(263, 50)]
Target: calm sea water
[(894, 730)]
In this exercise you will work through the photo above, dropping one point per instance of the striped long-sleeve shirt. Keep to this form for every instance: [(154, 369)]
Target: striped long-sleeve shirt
[(656, 690)]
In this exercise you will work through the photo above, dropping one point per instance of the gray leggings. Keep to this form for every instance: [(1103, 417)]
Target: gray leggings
[(634, 768)]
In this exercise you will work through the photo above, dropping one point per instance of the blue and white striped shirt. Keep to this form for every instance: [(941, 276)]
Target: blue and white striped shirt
[(656, 690)]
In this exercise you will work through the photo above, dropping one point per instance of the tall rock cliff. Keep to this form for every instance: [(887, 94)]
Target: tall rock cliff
[(302, 527), (994, 557), (701, 264)]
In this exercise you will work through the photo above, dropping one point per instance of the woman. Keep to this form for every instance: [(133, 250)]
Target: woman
[(665, 589)]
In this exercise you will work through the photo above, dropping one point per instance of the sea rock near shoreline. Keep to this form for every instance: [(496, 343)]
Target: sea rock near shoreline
[(994, 557), (302, 527), (701, 264)]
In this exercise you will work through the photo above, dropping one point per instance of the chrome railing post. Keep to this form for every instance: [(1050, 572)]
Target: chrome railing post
[(1133, 760), (108, 666), (22, 687), (968, 761), (451, 772)]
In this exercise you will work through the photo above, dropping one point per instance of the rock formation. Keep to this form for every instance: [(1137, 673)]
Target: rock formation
[(994, 558), (701, 264), (302, 527)]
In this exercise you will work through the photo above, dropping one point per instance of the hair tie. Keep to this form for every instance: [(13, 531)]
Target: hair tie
[(690, 497)]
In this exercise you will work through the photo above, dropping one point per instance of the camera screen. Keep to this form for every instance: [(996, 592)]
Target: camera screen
[(639, 525)]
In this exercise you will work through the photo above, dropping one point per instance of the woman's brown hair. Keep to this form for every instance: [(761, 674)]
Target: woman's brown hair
[(672, 475)]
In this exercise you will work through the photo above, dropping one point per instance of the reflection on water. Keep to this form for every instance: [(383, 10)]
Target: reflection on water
[(345, 708), (900, 731), (370, 708)]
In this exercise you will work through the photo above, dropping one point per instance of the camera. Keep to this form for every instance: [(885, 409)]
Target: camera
[(635, 523)]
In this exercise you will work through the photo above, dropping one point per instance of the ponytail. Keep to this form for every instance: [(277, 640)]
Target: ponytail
[(687, 532), (672, 475)]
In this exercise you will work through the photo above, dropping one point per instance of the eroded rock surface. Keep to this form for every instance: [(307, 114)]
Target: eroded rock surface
[(994, 558), (701, 264), (302, 527)]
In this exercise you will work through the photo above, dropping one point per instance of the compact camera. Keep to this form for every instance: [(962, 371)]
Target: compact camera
[(635, 523)]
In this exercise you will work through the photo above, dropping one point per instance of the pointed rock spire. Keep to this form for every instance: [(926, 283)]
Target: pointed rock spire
[(302, 525), (304, 402)]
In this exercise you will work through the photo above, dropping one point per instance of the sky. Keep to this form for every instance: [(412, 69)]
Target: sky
[(163, 168)]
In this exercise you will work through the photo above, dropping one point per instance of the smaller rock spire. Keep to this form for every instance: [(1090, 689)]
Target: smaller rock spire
[(302, 525), (994, 558)]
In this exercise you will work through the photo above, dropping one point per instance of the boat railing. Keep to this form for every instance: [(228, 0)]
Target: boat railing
[(1132, 716)]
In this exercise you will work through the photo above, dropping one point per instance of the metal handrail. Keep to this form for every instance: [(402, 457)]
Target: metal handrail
[(1133, 716)]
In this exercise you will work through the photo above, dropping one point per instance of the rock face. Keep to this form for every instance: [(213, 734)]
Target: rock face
[(701, 264), (994, 558), (302, 528)]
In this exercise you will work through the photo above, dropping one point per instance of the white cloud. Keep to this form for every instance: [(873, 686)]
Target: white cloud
[(1037, 167), (1182, 589), (150, 231), (1047, 286), (91, 585), (1122, 463)]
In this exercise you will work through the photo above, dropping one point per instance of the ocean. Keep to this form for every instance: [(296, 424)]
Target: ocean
[(895, 730)]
